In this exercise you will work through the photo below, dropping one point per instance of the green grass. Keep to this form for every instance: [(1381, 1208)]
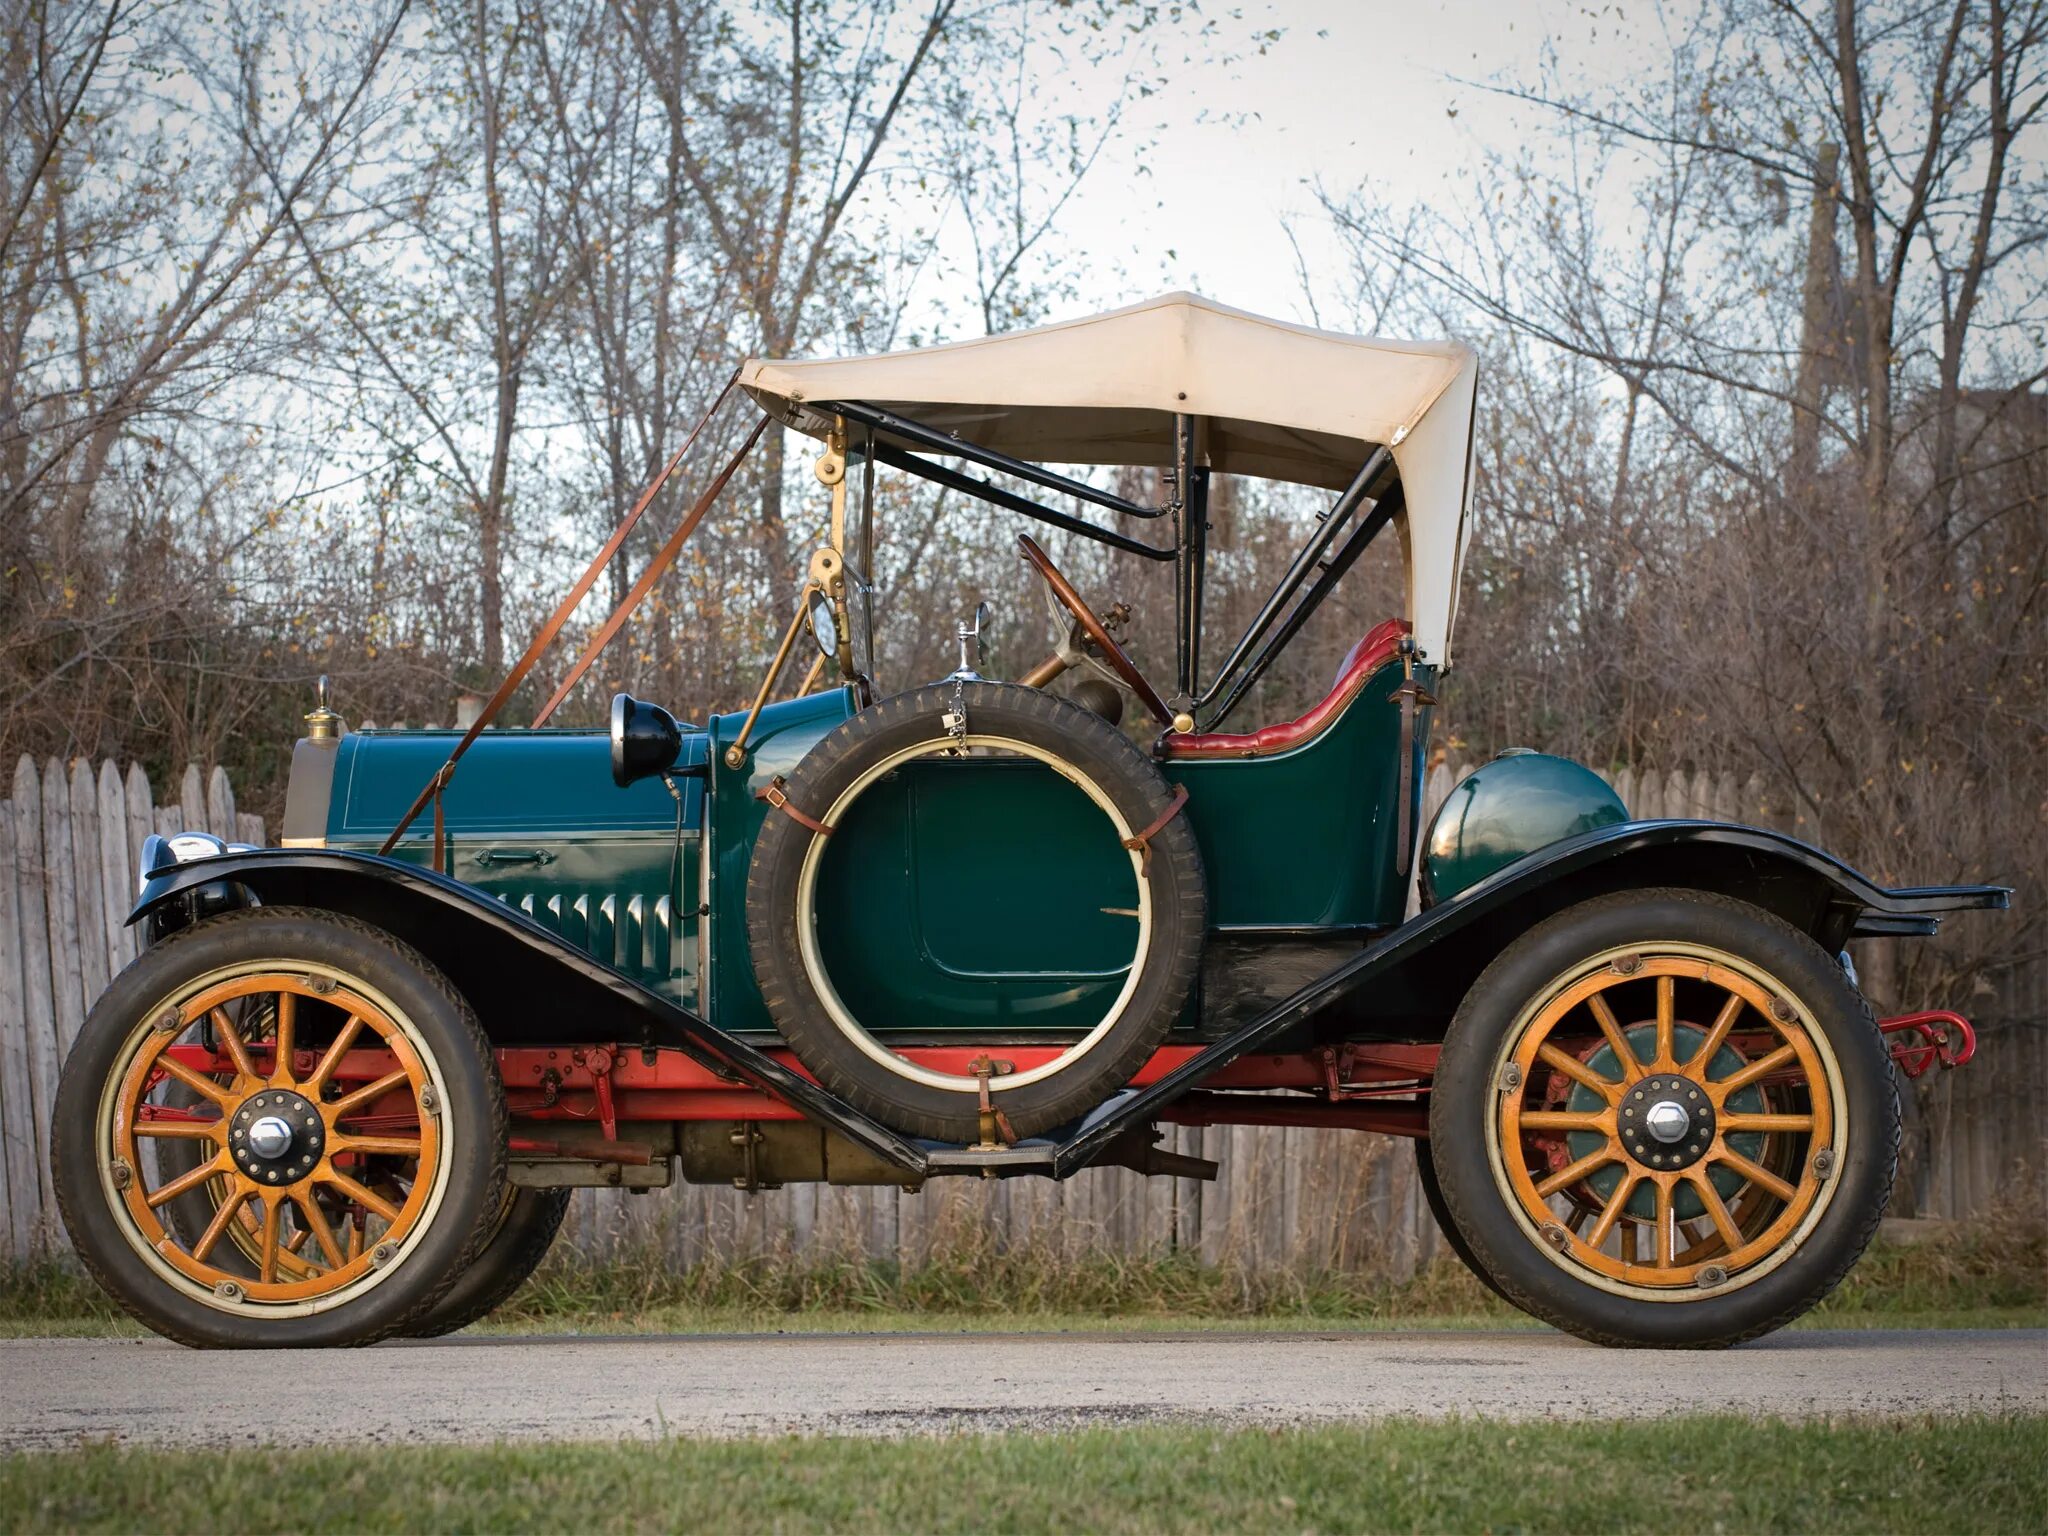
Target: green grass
[(1679, 1474), (1975, 1276)]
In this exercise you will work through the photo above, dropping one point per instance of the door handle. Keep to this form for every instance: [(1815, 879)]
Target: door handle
[(490, 858)]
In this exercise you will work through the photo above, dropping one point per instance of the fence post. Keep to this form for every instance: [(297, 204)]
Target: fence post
[(32, 801), (141, 826), (112, 867), (192, 800), (20, 1198), (81, 862), (220, 805)]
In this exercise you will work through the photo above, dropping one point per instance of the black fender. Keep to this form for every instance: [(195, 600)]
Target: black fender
[(528, 985), (1419, 978), (1407, 982)]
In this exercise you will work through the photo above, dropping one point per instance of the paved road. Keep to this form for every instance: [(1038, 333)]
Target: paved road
[(55, 1392)]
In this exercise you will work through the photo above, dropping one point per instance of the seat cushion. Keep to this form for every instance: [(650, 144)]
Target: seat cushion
[(1380, 645)]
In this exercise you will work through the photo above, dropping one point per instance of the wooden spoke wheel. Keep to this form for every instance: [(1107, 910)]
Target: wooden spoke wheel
[(1670, 1121), (279, 1128), (319, 1148), (1664, 1118)]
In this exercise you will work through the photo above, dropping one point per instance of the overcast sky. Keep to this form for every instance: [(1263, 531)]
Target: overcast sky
[(1355, 92)]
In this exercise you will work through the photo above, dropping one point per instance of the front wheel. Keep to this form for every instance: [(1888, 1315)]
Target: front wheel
[(279, 1128), (1665, 1118)]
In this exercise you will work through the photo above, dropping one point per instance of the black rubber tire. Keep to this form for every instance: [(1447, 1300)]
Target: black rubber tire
[(1129, 780), (513, 1251), (1433, 1197), (1464, 1094), (473, 1121)]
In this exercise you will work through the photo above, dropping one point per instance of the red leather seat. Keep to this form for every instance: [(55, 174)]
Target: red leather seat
[(1380, 645)]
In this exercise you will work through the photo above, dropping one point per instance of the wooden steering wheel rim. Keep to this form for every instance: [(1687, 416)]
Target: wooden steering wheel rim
[(1092, 627)]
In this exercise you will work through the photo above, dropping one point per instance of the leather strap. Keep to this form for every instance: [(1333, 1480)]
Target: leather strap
[(545, 636), (656, 569), (772, 792), (1141, 843)]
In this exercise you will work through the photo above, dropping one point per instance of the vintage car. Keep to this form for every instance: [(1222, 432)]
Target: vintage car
[(979, 928)]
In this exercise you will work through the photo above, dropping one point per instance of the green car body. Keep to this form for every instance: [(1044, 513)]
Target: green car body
[(651, 880)]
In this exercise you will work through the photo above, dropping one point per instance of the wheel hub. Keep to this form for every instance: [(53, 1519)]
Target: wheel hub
[(276, 1136), (1666, 1122)]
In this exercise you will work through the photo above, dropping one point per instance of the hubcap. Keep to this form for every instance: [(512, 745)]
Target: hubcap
[(271, 1137), (1667, 1121), (276, 1137)]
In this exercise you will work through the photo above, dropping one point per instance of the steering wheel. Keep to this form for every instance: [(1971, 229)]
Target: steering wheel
[(1093, 627)]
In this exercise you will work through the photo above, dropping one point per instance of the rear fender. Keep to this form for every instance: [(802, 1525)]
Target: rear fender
[(1422, 975)]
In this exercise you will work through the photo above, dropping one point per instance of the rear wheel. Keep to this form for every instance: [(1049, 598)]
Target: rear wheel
[(279, 1128), (1433, 1196), (1665, 1118), (517, 1244)]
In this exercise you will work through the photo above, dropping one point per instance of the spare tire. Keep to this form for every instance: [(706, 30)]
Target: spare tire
[(1139, 810)]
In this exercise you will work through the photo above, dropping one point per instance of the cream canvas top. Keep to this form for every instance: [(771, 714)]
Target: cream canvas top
[(1273, 400)]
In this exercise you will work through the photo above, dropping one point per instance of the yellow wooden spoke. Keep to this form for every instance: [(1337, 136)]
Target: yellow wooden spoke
[(1610, 1026), (1717, 1036), (398, 1146), (1717, 1212), (1667, 1016), (200, 1084), (1576, 1070), (369, 1199), (348, 1103), (1666, 1251), (1741, 1122), (218, 1227), (267, 1242), (1763, 1178), (1611, 1211), (287, 1037), (343, 1039), (323, 1234), (1573, 1172), (182, 1130), (1763, 1066), (1567, 1119), (184, 1183), (231, 1037)]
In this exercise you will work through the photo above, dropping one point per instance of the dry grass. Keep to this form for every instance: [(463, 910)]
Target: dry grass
[(1972, 1274)]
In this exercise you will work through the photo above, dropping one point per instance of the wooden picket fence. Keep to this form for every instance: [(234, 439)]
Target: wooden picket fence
[(70, 837), (1294, 1200)]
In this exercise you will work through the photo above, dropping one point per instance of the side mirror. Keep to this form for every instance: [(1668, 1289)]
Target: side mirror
[(969, 635), (645, 739), (824, 624)]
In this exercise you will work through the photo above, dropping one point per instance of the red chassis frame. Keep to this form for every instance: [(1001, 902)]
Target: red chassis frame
[(1373, 1087)]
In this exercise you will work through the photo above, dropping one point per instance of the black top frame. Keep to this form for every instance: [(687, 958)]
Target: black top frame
[(1339, 537)]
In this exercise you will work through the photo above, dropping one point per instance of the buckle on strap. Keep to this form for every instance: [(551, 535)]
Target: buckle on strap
[(772, 792), (1141, 843), (993, 1122)]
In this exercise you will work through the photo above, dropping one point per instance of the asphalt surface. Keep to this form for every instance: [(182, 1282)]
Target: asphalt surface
[(61, 1392)]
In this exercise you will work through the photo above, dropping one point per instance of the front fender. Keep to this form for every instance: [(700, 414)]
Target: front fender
[(527, 984)]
